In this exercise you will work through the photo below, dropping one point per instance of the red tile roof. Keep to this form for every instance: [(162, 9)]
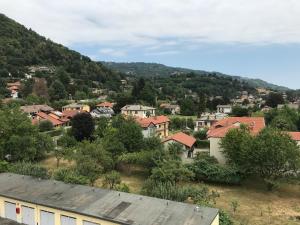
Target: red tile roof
[(145, 122), (220, 129), (295, 135), (105, 104), (182, 138), (45, 116), (71, 113)]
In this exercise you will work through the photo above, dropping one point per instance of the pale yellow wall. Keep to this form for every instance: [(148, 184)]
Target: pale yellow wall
[(86, 108), (216, 220), (216, 150), (58, 213), (138, 113)]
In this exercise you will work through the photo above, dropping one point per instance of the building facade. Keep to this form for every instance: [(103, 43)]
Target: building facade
[(138, 111)]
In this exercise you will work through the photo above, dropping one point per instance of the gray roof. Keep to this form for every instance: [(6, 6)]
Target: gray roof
[(104, 204), (137, 107), (8, 222), (36, 108)]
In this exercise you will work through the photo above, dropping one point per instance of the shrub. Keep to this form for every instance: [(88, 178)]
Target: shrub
[(45, 125), (225, 219), (202, 143), (29, 169), (70, 176), (4, 166), (209, 171), (122, 187), (112, 179)]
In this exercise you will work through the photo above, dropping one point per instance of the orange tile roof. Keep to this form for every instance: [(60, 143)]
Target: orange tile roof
[(71, 113), (54, 121), (105, 104), (145, 122), (295, 135), (220, 128), (182, 138)]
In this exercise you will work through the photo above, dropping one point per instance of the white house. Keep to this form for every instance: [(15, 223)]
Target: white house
[(138, 111), (208, 119), (221, 128), (227, 109)]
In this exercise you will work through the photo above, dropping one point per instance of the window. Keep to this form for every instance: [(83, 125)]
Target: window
[(89, 223)]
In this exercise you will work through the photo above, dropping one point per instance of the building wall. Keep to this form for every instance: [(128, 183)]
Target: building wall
[(58, 213), (216, 150), (138, 113), (216, 220)]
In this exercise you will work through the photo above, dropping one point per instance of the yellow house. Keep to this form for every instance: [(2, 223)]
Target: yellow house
[(138, 111), (34, 201), (77, 107)]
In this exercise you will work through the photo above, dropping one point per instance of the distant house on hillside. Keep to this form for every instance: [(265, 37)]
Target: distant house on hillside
[(138, 111), (187, 142), (32, 110), (56, 121), (208, 119), (14, 89), (77, 107), (224, 109), (221, 128), (102, 112), (105, 105), (156, 125), (174, 109)]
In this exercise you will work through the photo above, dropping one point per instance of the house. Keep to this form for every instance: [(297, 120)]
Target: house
[(289, 105), (295, 136), (77, 107), (224, 109), (32, 110), (187, 142), (220, 129), (138, 111), (105, 105), (48, 202), (102, 112), (174, 109), (69, 114), (156, 125), (208, 119), (14, 89), (56, 122)]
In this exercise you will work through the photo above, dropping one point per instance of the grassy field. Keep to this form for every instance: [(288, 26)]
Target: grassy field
[(256, 206)]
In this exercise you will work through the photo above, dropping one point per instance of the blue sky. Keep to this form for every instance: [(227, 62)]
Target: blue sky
[(257, 38)]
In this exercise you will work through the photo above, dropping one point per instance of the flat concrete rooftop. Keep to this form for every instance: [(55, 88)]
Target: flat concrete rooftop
[(119, 207)]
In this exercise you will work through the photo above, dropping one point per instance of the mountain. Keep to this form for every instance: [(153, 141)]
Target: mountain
[(155, 69), (21, 47)]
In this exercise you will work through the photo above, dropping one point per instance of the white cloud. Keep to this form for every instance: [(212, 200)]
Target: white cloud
[(148, 23), (112, 52)]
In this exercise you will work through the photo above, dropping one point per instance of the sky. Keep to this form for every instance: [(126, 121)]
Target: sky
[(256, 39)]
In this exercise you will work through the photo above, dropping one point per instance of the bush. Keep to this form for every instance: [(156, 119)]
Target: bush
[(54, 133), (225, 219), (70, 176), (45, 125), (122, 187), (4, 166), (29, 169), (202, 144), (201, 134), (209, 171)]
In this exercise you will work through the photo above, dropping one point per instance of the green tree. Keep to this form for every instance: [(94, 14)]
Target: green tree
[(102, 126), (57, 91), (188, 107), (45, 125), (171, 171), (83, 126), (92, 160), (283, 123), (112, 179), (274, 154), (274, 99)]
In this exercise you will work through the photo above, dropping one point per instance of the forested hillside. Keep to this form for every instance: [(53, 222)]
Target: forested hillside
[(155, 69), (21, 47)]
